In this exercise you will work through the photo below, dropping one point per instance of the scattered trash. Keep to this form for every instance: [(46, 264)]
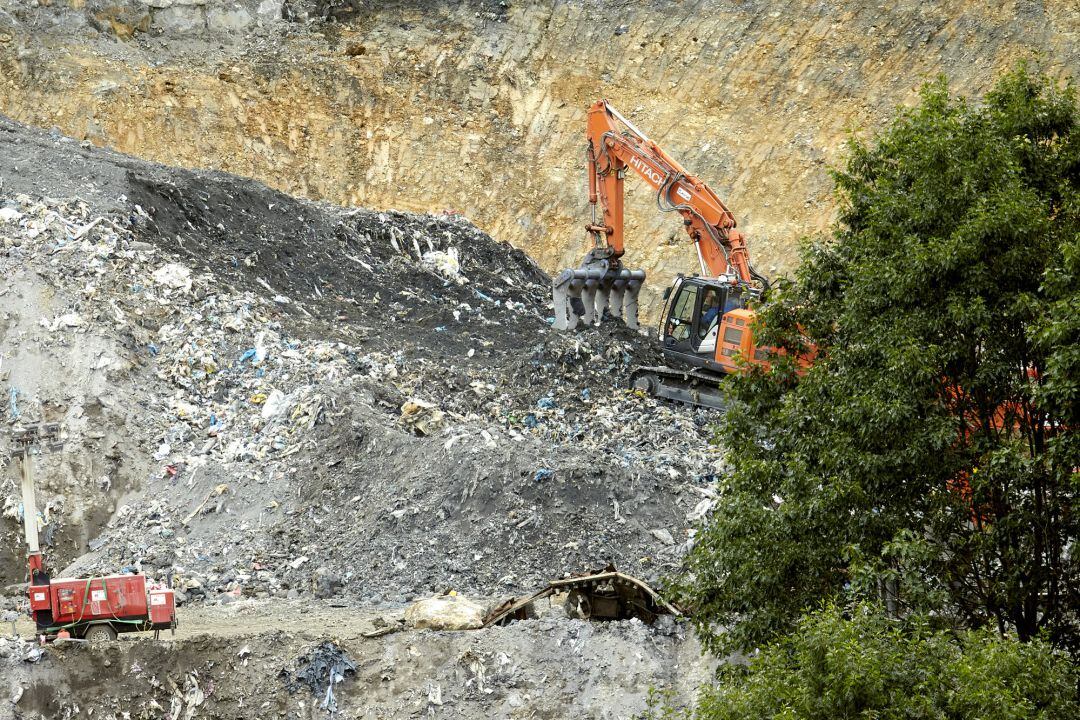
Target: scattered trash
[(263, 419), (324, 667), (663, 536), (66, 321), (382, 627), (446, 263), (422, 417), (173, 275)]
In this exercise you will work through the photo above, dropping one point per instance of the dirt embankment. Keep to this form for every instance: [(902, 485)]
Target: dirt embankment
[(480, 106)]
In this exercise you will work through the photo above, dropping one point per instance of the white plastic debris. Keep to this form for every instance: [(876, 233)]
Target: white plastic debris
[(67, 320), (276, 406), (173, 275), (663, 536), (445, 263)]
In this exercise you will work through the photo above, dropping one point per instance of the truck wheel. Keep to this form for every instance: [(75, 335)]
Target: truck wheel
[(100, 634)]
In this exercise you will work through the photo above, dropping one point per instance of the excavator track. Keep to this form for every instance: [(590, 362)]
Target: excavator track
[(692, 387)]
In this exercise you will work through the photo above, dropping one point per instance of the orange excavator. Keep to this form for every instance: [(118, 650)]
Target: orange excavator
[(706, 327)]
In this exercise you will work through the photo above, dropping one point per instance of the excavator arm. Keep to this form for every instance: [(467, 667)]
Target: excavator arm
[(602, 283), (615, 145)]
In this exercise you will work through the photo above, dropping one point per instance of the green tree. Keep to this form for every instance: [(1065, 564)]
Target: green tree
[(866, 666), (926, 459)]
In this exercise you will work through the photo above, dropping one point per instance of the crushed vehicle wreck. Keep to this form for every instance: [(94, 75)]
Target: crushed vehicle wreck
[(606, 594)]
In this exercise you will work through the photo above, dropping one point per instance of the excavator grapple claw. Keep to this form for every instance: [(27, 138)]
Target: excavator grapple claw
[(585, 293)]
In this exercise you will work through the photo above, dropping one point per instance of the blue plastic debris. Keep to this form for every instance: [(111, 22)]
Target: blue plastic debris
[(248, 354), (482, 296), (586, 394), (153, 349), (14, 394), (543, 474), (546, 403), (550, 321), (531, 421)]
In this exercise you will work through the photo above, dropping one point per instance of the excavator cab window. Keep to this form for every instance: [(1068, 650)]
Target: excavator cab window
[(693, 320), (710, 311), (734, 301), (680, 322)]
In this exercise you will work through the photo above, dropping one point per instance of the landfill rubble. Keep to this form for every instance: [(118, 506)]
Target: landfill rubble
[(320, 670), (548, 666), (264, 397), (308, 419)]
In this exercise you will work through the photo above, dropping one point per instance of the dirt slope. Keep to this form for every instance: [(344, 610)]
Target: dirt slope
[(479, 106), (546, 668)]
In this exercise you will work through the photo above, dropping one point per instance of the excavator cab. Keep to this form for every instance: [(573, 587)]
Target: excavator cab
[(705, 324), (706, 331)]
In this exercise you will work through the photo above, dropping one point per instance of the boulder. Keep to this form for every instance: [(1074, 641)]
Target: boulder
[(445, 612)]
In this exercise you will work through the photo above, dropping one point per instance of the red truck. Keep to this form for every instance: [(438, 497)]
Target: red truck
[(97, 608)]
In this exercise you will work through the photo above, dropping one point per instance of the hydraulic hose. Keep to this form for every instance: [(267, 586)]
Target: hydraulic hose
[(664, 194)]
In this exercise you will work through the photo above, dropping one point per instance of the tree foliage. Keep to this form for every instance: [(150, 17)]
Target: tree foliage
[(866, 666), (926, 459)]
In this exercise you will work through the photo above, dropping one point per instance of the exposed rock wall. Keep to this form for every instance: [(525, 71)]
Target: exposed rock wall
[(479, 106)]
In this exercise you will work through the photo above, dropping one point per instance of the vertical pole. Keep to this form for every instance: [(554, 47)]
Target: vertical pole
[(29, 503)]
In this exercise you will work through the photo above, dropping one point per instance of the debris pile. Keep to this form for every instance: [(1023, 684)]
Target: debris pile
[(283, 399), (605, 594), (263, 398)]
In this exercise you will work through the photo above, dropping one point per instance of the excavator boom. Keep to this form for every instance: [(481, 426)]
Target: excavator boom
[(706, 327), (615, 145)]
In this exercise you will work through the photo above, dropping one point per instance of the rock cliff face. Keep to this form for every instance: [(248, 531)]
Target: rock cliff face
[(479, 106)]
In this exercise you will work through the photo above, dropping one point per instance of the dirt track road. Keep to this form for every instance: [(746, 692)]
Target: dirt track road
[(256, 617)]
